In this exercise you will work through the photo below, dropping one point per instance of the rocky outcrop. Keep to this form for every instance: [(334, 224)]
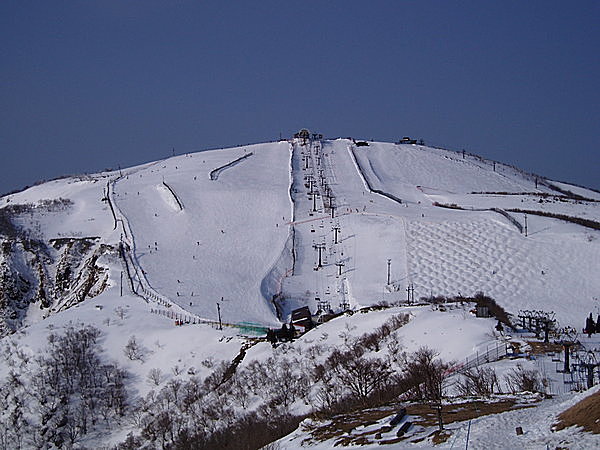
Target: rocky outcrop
[(45, 276)]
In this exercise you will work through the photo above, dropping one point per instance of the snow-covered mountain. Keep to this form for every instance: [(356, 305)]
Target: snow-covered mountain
[(240, 227), (243, 236)]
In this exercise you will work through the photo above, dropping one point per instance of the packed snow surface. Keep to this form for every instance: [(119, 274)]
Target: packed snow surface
[(224, 240)]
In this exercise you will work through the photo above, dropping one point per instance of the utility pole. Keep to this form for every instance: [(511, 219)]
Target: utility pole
[(389, 263), (314, 202), (219, 313), (121, 283), (525, 225), (336, 230), (410, 293), (319, 248), (567, 365), (339, 266)]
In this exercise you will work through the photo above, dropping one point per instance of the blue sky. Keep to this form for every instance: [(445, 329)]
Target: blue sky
[(89, 85)]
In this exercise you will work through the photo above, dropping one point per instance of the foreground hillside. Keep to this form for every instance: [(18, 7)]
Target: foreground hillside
[(171, 272)]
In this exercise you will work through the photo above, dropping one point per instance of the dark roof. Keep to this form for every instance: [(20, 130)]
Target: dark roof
[(301, 313)]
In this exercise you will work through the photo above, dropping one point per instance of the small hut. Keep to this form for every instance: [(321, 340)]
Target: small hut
[(407, 140), (302, 319)]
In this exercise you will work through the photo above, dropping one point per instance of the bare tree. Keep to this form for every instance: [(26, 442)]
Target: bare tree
[(121, 312), (155, 376), (479, 381), (521, 380), (425, 374), (133, 350), (360, 374)]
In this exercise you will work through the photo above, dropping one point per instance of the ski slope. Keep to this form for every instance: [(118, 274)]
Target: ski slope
[(244, 226), (203, 239)]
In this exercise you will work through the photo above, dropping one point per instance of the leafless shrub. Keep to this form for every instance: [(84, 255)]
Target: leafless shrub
[(215, 379), (69, 391), (209, 362), (121, 312), (424, 375), (394, 348), (479, 381), (361, 375), (133, 350), (524, 380), (397, 321), (155, 376)]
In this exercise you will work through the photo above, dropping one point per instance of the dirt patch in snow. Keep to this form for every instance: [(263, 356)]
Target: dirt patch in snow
[(364, 427), (541, 348), (344, 426), (461, 412), (584, 414)]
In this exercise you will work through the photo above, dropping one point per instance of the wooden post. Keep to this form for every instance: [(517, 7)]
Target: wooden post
[(389, 262), (438, 408), (219, 313)]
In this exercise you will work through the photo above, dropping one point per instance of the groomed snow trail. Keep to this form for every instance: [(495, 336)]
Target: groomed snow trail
[(225, 241)]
